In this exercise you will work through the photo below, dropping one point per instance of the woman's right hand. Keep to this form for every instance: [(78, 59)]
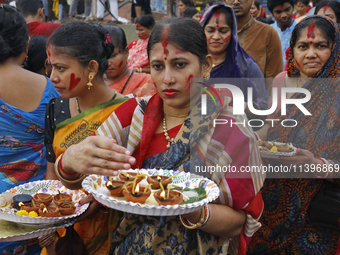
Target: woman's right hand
[(97, 155)]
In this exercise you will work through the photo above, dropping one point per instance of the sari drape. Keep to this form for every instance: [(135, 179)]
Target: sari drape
[(95, 232), (134, 124)]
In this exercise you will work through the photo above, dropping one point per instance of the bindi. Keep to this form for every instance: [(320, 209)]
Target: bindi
[(74, 81)]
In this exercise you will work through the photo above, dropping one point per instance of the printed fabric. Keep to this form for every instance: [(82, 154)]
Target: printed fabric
[(197, 143), (138, 56), (65, 131), (22, 155)]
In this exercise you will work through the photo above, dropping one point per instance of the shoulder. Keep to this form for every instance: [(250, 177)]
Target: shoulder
[(281, 75), (131, 44), (143, 76)]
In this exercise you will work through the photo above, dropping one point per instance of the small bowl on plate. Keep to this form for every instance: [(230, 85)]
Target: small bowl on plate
[(175, 197)]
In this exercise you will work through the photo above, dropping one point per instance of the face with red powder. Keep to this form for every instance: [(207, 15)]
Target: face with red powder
[(67, 74), (311, 51), (218, 34), (173, 76), (327, 12), (117, 62), (143, 33)]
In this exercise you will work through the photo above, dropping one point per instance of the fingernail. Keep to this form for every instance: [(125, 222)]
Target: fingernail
[(132, 160), (126, 166), (127, 152), (115, 173)]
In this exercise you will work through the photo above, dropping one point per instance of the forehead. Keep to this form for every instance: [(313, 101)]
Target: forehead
[(221, 19), (157, 51), (282, 7), (319, 35)]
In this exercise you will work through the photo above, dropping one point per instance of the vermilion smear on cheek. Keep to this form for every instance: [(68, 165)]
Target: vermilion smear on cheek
[(310, 31), (227, 39), (297, 64), (217, 15), (73, 82), (187, 86), (120, 64), (154, 84), (165, 42)]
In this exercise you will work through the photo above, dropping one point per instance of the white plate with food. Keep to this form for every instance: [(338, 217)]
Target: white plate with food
[(11, 231), (196, 191), (52, 189), (272, 149)]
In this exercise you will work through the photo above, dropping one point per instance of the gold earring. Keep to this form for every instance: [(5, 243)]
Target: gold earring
[(89, 84), (207, 76), (46, 73), (26, 57)]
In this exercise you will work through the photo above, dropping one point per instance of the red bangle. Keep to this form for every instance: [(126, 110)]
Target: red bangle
[(61, 168)]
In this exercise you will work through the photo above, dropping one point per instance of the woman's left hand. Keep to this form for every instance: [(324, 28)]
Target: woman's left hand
[(93, 208)]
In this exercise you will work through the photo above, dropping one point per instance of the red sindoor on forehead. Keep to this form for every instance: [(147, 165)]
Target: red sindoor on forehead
[(217, 15), (311, 30), (165, 42), (325, 8)]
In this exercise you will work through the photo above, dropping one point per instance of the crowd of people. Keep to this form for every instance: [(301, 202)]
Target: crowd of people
[(139, 106)]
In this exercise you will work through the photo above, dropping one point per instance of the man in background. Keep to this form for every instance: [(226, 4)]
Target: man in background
[(33, 11)]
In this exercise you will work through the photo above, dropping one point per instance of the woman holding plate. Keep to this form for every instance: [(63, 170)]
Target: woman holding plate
[(314, 53), (167, 131), (86, 101)]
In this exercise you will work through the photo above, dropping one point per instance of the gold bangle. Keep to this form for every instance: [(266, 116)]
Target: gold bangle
[(57, 171), (199, 224)]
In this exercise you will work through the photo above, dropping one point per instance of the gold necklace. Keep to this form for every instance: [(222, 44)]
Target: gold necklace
[(166, 134), (175, 115)]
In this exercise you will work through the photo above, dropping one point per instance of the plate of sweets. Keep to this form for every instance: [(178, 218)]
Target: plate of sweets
[(41, 203), (276, 149), (154, 192)]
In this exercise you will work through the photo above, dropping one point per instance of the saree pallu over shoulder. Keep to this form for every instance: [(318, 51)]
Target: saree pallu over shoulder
[(76, 129), (197, 142)]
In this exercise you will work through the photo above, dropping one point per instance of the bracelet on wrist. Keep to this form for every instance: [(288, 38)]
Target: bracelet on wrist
[(61, 178), (325, 162), (204, 218), (61, 168)]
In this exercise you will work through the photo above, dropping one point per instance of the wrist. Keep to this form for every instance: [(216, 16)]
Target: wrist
[(64, 167)]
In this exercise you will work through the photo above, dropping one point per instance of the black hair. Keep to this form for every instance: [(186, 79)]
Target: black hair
[(271, 4), (212, 2), (184, 33), (13, 33), (117, 36), (257, 4), (36, 55), (84, 42), (322, 24), (334, 5), (305, 2), (146, 21), (188, 3), (189, 12), (29, 7), (227, 13)]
